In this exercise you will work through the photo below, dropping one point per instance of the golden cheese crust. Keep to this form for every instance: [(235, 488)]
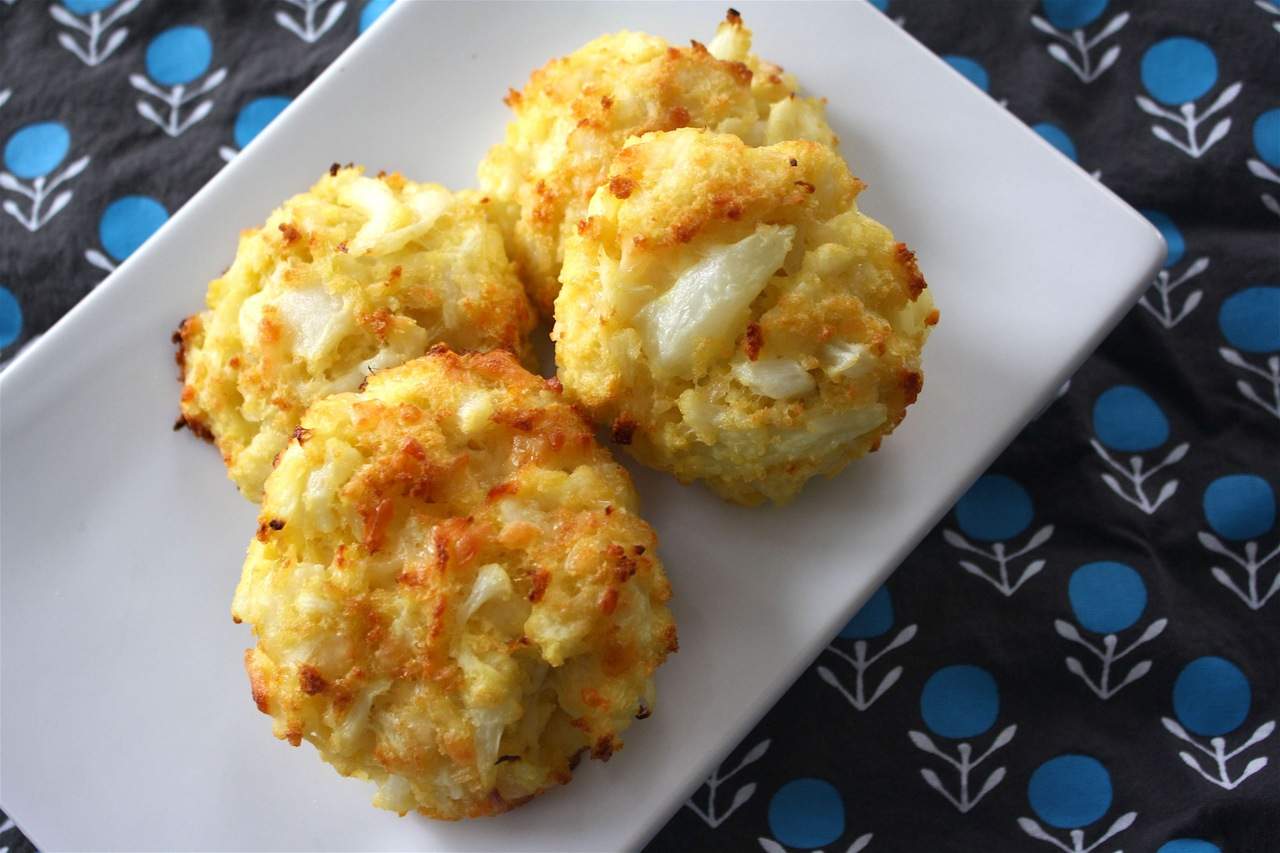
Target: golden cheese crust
[(576, 112), (735, 318), (355, 275), (452, 591)]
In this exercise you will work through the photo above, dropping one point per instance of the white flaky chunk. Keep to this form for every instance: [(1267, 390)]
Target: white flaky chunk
[(825, 433), (491, 582), (314, 316), (378, 203), (778, 378), (710, 300), (474, 413), (841, 359)]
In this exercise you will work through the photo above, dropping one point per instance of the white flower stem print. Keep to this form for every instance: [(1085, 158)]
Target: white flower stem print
[(709, 814), (173, 122), (95, 49), (1242, 508), (1127, 420), (1107, 655), (175, 60), (1212, 698), (1251, 592), (4, 96), (1218, 772), (1076, 48), (309, 29), (1176, 72), (874, 620), (997, 509), (1269, 372), (1248, 322), (964, 798), (1158, 303), (859, 662), (31, 158), (1077, 844), (1158, 300), (961, 702)]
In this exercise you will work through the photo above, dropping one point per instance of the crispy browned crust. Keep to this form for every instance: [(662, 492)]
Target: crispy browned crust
[(580, 573), (668, 87)]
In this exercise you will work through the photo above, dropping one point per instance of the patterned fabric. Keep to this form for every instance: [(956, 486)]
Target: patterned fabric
[(1085, 655)]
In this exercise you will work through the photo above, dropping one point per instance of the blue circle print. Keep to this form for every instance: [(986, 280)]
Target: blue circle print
[(806, 813), (874, 619), (1057, 137), (1211, 696), (1178, 70), (1189, 845), (1172, 236), (1266, 137), (1107, 597), (971, 69), (179, 55), (87, 7), (371, 12), (1240, 506), (960, 701), (37, 149), (995, 508), (1073, 14), (1125, 418), (10, 317), (1070, 791), (128, 222), (256, 115), (1250, 319)]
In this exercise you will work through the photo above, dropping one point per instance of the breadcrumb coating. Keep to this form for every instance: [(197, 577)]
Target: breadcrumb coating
[(452, 592), (577, 111), (734, 318), (355, 275)]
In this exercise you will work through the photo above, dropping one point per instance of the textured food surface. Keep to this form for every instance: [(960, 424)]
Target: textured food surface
[(355, 275), (734, 317), (452, 591), (577, 111)]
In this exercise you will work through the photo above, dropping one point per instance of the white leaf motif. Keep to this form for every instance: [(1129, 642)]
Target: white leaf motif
[(744, 794), (59, 202), (1108, 59), (1219, 130), (331, 18), (757, 752), (859, 843), (1153, 630), (113, 41)]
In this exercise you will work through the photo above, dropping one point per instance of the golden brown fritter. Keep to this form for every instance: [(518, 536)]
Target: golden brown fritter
[(735, 318), (576, 112), (452, 592), (355, 275)]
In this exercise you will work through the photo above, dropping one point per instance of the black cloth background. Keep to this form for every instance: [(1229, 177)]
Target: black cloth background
[(866, 756)]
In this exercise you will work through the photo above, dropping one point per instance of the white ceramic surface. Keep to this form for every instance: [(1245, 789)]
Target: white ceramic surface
[(126, 717)]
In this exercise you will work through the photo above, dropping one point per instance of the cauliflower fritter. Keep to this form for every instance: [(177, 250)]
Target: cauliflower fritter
[(735, 317), (355, 275), (577, 111), (452, 592)]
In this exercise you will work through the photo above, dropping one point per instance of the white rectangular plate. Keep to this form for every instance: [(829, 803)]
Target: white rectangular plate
[(127, 721)]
